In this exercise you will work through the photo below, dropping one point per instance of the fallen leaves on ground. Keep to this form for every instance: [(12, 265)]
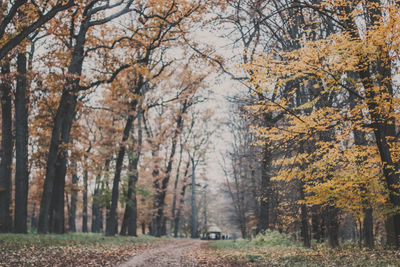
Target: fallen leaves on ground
[(70, 252), (298, 256)]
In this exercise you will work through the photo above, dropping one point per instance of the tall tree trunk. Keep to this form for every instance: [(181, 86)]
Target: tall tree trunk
[(85, 203), (263, 220), (21, 147), (194, 233), (173, 209), (6, 150), (72, 210)]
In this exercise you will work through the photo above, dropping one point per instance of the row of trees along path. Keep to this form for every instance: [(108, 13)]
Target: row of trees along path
[(121, 82)]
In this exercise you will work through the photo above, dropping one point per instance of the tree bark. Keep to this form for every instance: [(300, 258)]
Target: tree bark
[(6, 151), (21, 146)]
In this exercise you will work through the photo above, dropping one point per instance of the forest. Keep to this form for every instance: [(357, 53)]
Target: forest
[(112, 110)]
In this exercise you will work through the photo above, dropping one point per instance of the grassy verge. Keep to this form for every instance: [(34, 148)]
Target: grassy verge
[(76, 249), (274, 249)]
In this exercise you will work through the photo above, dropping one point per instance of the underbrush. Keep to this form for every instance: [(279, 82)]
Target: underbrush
[(73, 249), (275, 249)]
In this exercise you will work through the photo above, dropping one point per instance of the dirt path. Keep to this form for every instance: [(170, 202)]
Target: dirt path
[(173, 253)]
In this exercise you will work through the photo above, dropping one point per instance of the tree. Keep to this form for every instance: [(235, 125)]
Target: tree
[(6, 149), (21, 146), (328, 69)]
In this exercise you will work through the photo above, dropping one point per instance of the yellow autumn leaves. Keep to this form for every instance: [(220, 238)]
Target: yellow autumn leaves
[(326, 133)]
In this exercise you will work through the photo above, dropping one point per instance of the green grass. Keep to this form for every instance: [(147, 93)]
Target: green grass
[(275, 249)]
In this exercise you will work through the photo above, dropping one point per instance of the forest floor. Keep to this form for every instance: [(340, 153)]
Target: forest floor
[(271, 249), (76, 249)]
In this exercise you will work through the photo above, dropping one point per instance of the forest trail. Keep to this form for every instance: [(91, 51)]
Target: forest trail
[(174, 253)]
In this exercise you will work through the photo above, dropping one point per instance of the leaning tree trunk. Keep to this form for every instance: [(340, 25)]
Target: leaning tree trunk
[(21, 147), (6, 151)]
